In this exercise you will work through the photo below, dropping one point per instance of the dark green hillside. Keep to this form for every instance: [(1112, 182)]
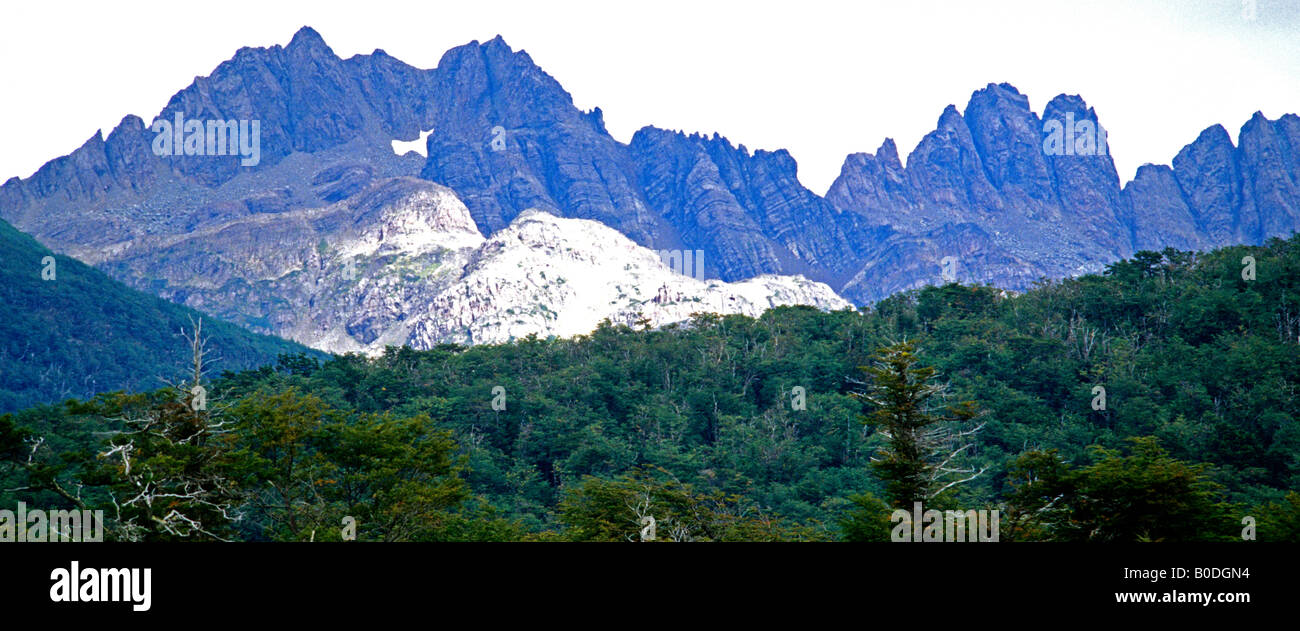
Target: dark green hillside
[(84, 333)]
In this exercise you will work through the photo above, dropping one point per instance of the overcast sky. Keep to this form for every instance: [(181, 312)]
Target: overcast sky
[(821, 79)]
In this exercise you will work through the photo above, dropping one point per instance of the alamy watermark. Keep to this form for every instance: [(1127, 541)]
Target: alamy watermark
[(1074, 138), (76, 584), (1099, 398), (648, 525), (951, 525), (498, 398), (948, 269), (40, 526), (498, 142), (209, 138), (684, 262), (798, 398)]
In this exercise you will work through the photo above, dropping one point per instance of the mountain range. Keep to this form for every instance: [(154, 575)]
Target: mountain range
[(335, 240)]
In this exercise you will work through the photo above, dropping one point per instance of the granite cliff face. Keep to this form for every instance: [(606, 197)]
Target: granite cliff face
[(990, 189), (747, 211), (507, 138), (997, 193), (983, 190)]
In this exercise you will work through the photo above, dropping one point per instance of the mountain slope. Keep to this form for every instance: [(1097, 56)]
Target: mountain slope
[(402, 262), (81, 333), (340, 277), (983, 191), (320, 117), (545, 275)]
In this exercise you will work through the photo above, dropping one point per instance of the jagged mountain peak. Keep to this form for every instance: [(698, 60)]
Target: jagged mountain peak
[(1215, 133), (497, 58), (1002, 88), (307, 38), (304, 100), (498, 44), (1151, 169), (695, 138), (1259, 124), (950, 117), (888, 152), (506, 137), (997, 93), (1062, 104)]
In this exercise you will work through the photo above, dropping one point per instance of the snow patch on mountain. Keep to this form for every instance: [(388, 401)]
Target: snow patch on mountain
[(546, 275), (419, 145), (415, 223)]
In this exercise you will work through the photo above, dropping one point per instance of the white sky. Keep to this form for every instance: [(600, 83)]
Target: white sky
[(821, 79)]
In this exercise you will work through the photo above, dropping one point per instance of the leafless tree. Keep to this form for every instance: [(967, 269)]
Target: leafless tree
[(182, 503)]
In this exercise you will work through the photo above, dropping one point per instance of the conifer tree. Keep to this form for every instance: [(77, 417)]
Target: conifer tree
[(924, 439)]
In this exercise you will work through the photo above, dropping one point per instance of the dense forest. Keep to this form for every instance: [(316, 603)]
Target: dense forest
[(1157, 401)]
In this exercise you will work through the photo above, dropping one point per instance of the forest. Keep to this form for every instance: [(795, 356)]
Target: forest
[(1156, 401), (68, 330)]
